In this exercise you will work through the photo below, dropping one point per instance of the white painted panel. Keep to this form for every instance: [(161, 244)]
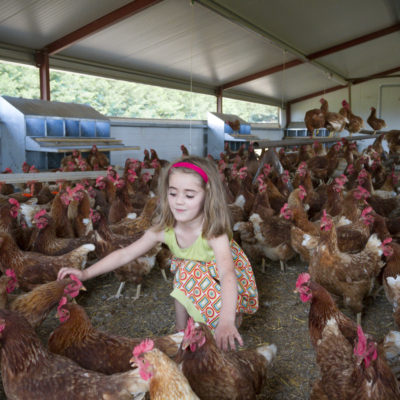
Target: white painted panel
[(166, 141), (390, 106), (368, 58), (312, 25), (291, 83), (177, 38)]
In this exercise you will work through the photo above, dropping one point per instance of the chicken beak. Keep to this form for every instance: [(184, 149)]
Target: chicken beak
[(184, 344), (132, 363)]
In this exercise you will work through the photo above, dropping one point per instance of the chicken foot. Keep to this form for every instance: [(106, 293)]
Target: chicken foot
[(119, 291), (283, 265), (164, 275), (263, 265), (121, 287)]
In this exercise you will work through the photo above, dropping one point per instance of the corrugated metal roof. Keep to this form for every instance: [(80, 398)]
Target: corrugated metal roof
[(34, 107), (201, 45)]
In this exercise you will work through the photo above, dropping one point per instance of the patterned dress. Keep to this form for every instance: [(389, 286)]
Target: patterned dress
[(196, 281)]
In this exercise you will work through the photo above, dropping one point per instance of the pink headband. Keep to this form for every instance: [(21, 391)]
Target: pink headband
[(193, 167)]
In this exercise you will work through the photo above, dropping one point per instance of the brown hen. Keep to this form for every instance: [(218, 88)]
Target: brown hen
[(77, 339), (32, 269), (334, 122), (166, 380), (375, 123), (216, 374), (349, 276), (30, 371)]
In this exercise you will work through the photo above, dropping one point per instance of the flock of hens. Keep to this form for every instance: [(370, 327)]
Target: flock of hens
[(337, 209), (319, 118)]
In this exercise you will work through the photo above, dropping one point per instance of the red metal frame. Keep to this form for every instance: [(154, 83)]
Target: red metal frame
[(42, 56), (261, 74), (103, 22), (353, 81), (313, 56), (319, 93), (42, 62), (374, 76)]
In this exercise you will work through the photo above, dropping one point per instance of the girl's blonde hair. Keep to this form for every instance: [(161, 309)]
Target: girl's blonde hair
[(216, 213)]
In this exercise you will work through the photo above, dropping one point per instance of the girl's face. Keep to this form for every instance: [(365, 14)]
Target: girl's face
[(185, 196)]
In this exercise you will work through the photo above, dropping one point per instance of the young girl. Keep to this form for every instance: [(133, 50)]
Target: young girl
[(213, 282)]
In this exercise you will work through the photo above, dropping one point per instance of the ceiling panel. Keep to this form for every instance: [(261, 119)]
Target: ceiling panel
[(368, 58), (36, 23), (290, 84), (203, 44), (176, 38), (314, 24)]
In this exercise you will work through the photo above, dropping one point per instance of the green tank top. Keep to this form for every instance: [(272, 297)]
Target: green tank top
[(198, 251)]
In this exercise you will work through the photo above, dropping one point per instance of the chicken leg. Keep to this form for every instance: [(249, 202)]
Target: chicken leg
[(359, 319), (283, 265), (121, 287)]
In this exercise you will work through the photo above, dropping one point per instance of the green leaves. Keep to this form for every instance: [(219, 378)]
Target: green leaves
[(125, 99)]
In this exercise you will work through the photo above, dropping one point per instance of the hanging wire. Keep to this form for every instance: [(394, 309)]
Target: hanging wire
[(283, 83), (191, 76)]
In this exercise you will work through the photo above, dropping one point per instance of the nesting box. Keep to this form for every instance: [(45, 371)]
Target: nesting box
[(226, 128), (42, 132)]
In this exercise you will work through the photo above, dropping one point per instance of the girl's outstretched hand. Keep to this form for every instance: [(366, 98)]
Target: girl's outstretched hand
[(225, 336), (63, 272)]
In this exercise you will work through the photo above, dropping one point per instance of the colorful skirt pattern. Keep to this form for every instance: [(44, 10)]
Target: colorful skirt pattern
[(199, 282)]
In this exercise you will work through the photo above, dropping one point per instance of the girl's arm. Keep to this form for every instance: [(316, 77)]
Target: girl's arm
[(226, 332), (117, 258)]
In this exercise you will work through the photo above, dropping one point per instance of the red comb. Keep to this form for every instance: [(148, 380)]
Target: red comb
[(13, 201), (10, 272), (189, 327), (387, 240), (79, 186), (62, 313), (72, 289), (366, 211), (62, 302), (145, 346), (302, 279), (361, 345), (39, 214)]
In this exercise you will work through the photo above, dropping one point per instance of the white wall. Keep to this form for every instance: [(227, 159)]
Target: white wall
[(267, 133), (363, 97), (375, 93), (166, 137)]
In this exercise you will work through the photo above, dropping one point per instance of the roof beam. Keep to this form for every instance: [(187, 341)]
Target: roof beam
[(354, 81), (354, 42), (42, 62), (313, 56), (383, 74), (261, 74), (105, 21), (319, 93)]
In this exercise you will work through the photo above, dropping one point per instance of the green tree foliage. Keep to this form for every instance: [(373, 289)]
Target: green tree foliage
[(125, 99), (251, 112), (19, 81)]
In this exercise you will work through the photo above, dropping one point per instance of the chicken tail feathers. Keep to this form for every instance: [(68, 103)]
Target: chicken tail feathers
[(268, 351), (374, 244)]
